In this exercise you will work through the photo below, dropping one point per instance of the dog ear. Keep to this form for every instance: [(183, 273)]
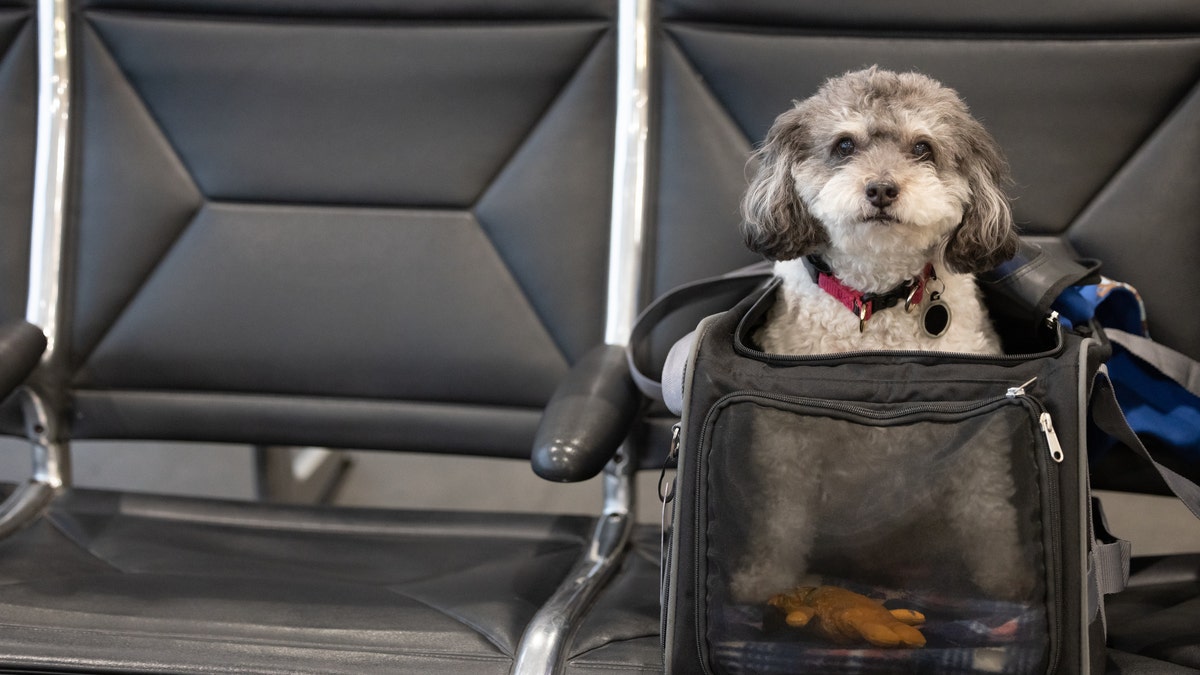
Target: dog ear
[(987, 236), (776, 222)]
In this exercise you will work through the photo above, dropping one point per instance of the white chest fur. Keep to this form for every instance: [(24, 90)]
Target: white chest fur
[(807, 320)]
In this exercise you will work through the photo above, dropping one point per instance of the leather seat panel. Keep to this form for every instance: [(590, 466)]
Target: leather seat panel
[(361, 586)]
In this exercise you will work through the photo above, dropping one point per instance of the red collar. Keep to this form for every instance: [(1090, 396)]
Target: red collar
[(864, 305)]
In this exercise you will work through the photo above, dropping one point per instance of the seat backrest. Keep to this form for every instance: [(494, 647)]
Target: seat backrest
[(325, 222), (18, 114), (1097, 109), (18, 110)]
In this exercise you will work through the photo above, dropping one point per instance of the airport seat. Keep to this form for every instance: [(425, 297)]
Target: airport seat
[(18, 77), (18, 112), (344, 224)]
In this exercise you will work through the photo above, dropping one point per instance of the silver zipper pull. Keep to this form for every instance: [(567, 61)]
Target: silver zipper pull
[(666, 491), (676, 431), (1014, 392), (1056, 451), (1052, 319)]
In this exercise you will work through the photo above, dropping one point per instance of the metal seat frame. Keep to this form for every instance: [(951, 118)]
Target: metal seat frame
[(43, 423)]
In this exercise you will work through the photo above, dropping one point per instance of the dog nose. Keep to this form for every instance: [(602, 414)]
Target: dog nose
[(882, 193)]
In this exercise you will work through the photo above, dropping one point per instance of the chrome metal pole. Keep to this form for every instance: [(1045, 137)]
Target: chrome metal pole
[(51, 461), (543, 647), (50, 171), (628, 232)]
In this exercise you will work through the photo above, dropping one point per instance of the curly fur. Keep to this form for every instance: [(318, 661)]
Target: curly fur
[(950, 209), (950, 510), (811, 194)]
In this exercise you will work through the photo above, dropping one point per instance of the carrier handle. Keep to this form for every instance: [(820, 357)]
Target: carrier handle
[(1026, 285), (1108, 564), (638, 353)]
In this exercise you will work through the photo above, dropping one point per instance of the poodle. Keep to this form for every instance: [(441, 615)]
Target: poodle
[(879, 197)]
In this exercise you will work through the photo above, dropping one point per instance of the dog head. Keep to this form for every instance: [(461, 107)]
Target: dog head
[(878, 162)]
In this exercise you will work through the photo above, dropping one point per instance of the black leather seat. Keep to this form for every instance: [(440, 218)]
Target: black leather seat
[(1099, 112), (18, 128), (344, 224), (18, 75), (143, 583)]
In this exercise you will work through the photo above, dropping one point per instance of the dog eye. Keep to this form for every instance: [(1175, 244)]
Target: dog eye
[(922, 151), (844, 147)]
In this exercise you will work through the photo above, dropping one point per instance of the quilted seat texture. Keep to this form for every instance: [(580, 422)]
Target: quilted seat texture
[(346, 224), (153, 584)]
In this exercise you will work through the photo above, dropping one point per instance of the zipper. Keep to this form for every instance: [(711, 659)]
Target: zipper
[(1056, 451), (1050, 471), (957, 357), (664, 598), (1044, 421), (664, 550), (857, 410), (1052, 321), (1048, 463), (666, 496), (699, 619)]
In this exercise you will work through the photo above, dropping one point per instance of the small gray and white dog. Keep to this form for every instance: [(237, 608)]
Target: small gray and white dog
[(882, 175), (878, 197)]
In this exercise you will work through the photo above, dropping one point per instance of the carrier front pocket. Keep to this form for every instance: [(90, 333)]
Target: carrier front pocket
[(839, 537)]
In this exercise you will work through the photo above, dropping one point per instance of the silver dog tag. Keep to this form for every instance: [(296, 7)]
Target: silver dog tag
[(935, 318)]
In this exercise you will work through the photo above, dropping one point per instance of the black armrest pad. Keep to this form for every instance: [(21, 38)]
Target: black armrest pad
[(21, 347), (587, 418)]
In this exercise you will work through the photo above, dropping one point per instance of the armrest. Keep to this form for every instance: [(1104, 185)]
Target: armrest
[(587, 418), (21, 347)]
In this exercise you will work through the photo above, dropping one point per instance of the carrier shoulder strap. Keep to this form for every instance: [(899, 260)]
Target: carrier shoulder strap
[(638, 352), (1181, 368), (1108, 416), (1108, 568)]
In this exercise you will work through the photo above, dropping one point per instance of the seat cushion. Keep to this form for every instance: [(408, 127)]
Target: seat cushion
[(1158, 617), (142, 583), (620, 633)]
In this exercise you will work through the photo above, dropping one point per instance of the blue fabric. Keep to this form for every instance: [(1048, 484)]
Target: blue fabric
[(1113, 306), (1155, 405)]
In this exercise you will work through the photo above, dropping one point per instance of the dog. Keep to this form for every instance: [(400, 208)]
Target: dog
[(886, 183), (879, 198)]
